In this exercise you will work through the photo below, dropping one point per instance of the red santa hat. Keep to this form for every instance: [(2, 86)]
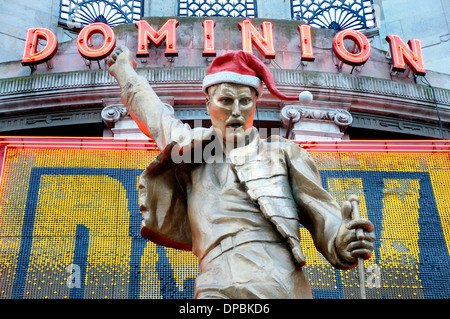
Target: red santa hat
[(242, 68)]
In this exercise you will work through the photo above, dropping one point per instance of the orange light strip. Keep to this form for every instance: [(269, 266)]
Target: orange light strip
[(360, 146), (2, 167), (83, 145), (368, 150), (387, 146), (77, 143), (373, 141)]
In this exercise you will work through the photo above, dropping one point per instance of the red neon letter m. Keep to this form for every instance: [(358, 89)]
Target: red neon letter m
[(402, 55), (167, 32), (264, 43)]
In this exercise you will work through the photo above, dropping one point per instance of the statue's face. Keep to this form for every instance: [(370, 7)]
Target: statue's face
[(231, 107)]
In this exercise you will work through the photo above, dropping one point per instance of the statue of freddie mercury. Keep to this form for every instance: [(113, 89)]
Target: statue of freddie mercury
[(238, 205)]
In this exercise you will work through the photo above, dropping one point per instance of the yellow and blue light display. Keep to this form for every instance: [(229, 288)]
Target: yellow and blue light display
[(70, 222)]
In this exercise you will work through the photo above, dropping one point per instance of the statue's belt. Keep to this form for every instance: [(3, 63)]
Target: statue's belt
[(228, 243)]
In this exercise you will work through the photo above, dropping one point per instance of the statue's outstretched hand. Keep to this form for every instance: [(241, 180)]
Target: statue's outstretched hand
[(121, 61), (349, 245)]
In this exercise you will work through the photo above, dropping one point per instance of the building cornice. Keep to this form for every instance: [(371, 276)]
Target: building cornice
[(53, 81), (88, 88), (50, 119), (196, 74)]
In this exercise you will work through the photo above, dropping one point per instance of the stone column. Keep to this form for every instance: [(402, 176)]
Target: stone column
[(315, 122), (118, 122)]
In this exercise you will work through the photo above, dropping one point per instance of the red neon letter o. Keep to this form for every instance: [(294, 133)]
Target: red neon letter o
[(349, 57), (105, 50)]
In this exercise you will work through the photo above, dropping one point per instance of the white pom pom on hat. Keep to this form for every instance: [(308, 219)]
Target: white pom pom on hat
[(240, 67), (305, 97)]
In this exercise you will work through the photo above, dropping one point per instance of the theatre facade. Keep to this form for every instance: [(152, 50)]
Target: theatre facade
[(71, 156), (64, 88)]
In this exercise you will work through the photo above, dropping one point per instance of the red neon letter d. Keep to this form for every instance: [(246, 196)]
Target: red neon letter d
[(31, 55)]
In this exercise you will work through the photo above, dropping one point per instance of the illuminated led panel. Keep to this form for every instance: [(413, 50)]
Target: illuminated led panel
[(70, 221)]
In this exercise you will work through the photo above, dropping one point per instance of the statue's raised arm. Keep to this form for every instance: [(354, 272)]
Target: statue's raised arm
[(153, 117), (239, 205)]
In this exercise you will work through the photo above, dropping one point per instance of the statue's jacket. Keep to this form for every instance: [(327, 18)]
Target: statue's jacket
[(277, 174)]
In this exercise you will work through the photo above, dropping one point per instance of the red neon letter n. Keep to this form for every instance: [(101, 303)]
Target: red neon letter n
[(264, 43), (402, 55)]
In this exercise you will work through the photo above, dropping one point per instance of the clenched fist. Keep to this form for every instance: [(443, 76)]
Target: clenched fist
[(121, 61), (349, 245)]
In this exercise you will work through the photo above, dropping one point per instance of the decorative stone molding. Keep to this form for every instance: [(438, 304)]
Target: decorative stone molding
[(112, 113), (392, 124), (315, 122), (342, 118)]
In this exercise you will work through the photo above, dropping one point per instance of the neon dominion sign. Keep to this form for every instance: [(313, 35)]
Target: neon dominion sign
[(402, 54)]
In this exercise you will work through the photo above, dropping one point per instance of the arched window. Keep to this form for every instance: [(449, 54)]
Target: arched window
[(335, 14), (222, 8), (78, 13)]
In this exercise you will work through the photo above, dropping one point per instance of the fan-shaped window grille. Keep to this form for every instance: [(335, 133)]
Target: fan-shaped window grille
[(222, 8), (78, 13), (335, 14)]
